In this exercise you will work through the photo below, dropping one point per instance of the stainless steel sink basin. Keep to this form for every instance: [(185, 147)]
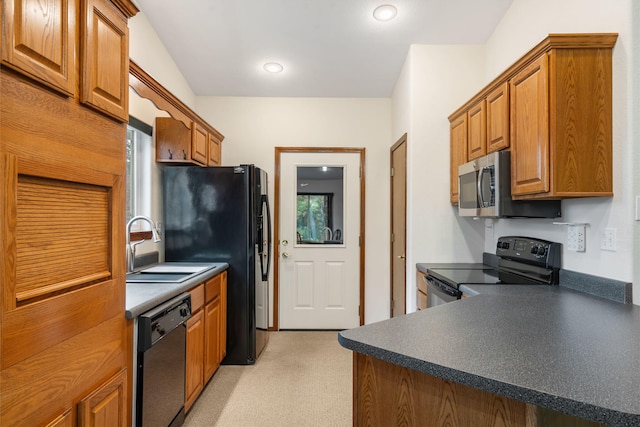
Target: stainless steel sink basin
[(142, 277), (169, 272)]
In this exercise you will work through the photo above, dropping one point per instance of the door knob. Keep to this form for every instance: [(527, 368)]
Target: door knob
[(401, 256), (285, 255)]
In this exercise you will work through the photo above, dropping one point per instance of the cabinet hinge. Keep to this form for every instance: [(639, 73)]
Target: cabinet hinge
[(393, 237), (392, 171)]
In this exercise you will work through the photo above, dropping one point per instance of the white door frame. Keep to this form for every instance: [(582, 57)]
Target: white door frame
[(276, 221)]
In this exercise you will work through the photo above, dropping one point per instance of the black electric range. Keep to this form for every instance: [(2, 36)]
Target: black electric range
[(521, 260)]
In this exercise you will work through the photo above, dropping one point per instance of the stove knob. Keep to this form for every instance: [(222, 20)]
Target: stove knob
[(184, 312), (542, 250), (534, 250)]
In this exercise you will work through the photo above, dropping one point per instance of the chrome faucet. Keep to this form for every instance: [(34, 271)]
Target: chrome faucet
[(131, 247), (330, 233)]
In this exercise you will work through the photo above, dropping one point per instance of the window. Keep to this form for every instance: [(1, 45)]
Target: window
[(314, 217), (139, 160)]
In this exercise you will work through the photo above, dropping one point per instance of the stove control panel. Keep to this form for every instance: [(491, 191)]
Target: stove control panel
[(530, 250)]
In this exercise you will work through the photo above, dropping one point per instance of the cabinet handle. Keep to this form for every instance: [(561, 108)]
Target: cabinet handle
[(170, 154), (184, 155)]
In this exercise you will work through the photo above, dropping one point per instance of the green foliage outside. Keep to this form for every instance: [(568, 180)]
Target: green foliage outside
[(312, 215)]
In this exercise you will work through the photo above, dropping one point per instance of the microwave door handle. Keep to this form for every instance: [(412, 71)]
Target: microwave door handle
[(480, 179)]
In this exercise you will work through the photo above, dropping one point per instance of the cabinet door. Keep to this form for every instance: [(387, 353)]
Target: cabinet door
[(199, 144), (211, 338), (105, 59), (477, 142), (106, 406), (38, 39), (173, 141), (421, 290), (458, 135), (223, 315), (214, 151), (194, 382), (498, 118), (530, 129)]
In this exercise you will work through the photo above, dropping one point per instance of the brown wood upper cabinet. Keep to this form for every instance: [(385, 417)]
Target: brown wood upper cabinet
[(553, 108), (458, 133), (477, 137), (48, 58), (561, 120), (105, 59), (498, 118), (63, 26), (175, 143)]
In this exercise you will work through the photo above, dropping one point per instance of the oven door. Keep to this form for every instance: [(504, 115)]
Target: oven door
[(439, 292)]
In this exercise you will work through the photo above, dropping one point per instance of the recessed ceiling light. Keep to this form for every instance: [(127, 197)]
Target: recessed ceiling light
[(273, 67), (386, 12)]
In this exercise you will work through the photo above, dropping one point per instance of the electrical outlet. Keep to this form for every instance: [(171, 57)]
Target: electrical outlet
[(608, 242), (576, 238)]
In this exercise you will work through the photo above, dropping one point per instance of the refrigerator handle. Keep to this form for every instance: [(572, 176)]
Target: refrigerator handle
[(265, 274)]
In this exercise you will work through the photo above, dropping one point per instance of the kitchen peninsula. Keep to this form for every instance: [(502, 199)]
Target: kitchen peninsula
[(512, 355)]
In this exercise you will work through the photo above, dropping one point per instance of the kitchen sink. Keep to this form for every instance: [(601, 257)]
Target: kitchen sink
[(143, 277), (169, 272)]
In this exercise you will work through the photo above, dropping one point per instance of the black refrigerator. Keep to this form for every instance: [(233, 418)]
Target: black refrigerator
[(221, 214)]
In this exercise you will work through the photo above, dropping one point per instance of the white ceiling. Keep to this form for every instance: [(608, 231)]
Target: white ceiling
[(329, 48)]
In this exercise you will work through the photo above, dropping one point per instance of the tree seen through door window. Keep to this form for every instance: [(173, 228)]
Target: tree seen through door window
[(313, 217)]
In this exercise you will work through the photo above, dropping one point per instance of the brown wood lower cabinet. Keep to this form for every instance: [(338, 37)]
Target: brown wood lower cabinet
[(195, 359), (390, 395), (206, 335), (421, 291), (106, 406)]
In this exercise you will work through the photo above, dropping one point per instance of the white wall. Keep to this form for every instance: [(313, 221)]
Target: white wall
[(525, 24), (253, 127), (435, 81), (146, 50)]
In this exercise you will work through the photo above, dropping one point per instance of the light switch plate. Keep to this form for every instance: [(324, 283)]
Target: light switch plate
[(608, 239)]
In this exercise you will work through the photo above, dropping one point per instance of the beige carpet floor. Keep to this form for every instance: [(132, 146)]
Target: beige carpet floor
[(300, 379)]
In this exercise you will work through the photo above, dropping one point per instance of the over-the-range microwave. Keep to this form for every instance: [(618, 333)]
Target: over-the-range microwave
[(484, 190)]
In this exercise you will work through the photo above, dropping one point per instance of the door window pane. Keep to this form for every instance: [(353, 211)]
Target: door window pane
[(319, 216)]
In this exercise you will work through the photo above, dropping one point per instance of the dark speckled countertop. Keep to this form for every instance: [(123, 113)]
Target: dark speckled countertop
[(545, 345), (142, 297)]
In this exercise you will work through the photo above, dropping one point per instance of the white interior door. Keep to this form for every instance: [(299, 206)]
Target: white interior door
[(319, 268)]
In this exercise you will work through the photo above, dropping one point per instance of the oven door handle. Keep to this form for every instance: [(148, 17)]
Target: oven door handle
[(443, 287)]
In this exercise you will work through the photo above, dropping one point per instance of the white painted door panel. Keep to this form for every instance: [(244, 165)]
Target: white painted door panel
[(319, 283)]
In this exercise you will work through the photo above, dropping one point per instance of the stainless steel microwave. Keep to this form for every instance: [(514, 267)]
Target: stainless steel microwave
[(484, 190)]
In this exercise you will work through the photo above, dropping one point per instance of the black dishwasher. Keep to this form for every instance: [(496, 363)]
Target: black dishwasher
[(161, 360)]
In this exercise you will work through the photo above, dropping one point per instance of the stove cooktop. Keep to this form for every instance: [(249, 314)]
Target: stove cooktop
[(522, 260), (465, 277)]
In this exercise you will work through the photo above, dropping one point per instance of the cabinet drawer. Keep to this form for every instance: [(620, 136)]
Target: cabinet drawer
[(197, 298), (212, 288)]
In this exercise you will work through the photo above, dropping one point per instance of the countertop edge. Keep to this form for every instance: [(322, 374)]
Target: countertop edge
[(131, 312), (557, 403)]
